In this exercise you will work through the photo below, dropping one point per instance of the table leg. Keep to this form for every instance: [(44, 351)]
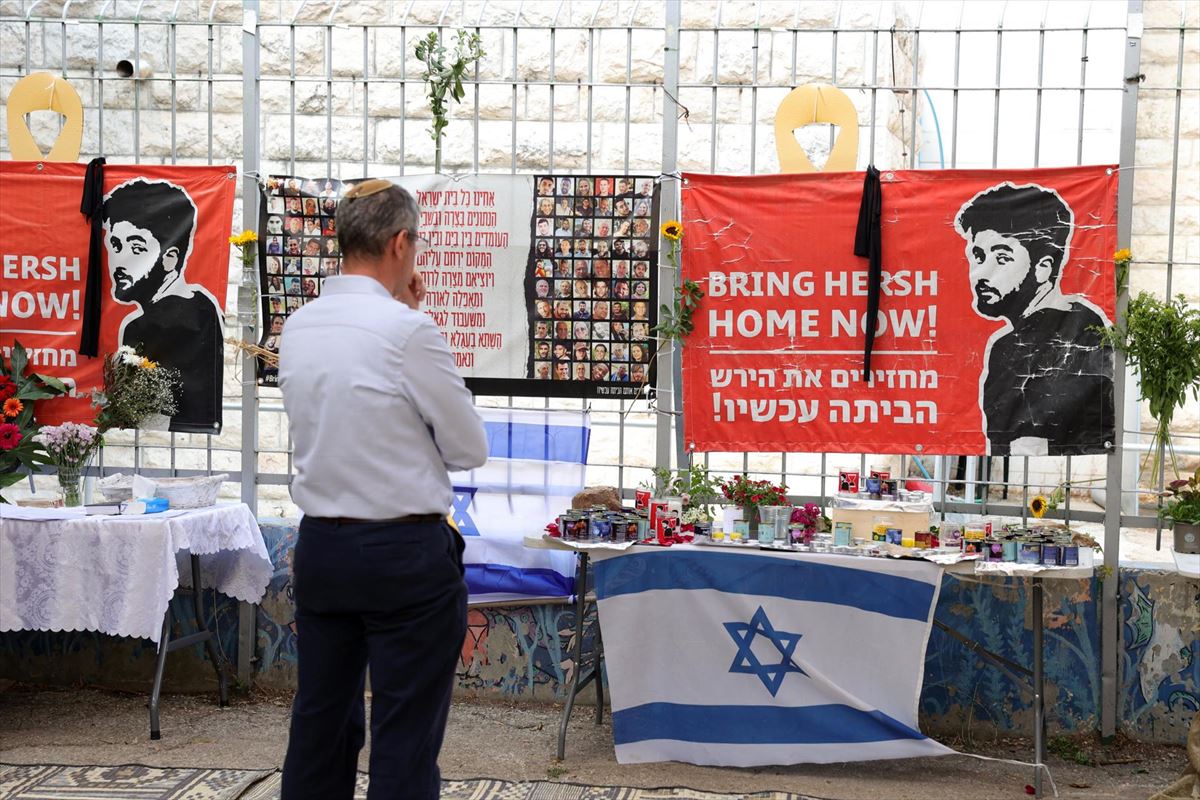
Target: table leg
[(215, 653), (597, 673), (577, 681), (163, 646), (1039, 719)]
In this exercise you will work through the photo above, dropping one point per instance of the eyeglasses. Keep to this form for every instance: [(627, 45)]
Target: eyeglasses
[(419, 242)]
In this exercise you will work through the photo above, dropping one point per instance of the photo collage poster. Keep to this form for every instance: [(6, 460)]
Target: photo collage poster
[(568, 313), (592, 286), (298, 249)]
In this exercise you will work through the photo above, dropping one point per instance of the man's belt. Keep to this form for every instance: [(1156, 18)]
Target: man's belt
[(410, 519)]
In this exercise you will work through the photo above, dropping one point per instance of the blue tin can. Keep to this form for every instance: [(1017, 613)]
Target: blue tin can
[(601, 529), (1010, 549), (1029, 553)]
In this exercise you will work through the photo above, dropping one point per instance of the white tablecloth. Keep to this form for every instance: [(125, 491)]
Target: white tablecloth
[(117, 574)]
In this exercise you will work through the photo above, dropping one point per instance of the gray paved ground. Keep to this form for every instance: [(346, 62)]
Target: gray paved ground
[(87, 726)]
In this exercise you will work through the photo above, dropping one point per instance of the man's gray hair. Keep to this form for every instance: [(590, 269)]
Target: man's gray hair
[(370, 214)]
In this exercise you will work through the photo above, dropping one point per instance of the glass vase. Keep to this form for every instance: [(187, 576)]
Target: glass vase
[(70, 484)]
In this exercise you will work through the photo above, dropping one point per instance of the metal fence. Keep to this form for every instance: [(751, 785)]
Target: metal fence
[(331, 88)]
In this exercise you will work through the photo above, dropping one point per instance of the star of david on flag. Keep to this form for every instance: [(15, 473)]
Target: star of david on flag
[(461, 511), (810, 629), (746, 661)]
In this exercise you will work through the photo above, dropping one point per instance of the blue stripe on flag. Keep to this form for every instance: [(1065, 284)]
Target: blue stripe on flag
[(493, 578), (821, 724), (538, 442), (790, 579)]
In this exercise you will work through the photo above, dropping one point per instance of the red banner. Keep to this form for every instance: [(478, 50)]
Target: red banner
[(994, 284), (166, 231)]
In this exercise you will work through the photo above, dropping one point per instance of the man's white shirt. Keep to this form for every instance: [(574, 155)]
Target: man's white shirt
[(377, 409)]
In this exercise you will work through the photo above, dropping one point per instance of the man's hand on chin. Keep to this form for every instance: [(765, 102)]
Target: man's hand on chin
[(413, 294)]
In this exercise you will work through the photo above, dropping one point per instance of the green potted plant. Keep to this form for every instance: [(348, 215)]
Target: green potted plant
[(1182, 508), (1161, 338), (698, 489)]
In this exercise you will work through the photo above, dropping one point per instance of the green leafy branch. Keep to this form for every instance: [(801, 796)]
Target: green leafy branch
[(444, 71), (675, 321), (1161, 338)]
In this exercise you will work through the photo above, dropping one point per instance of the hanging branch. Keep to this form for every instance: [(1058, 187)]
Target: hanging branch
[(442, 77)]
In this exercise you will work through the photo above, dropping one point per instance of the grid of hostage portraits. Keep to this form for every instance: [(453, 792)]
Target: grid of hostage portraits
[(591, 282), (299, 250)]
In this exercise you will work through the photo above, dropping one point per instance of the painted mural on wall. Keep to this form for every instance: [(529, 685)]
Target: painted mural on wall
[(964, 692), (523, 652), (1160, 664)]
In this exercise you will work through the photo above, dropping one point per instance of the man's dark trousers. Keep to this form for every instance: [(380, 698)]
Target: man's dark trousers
[(391, 596)]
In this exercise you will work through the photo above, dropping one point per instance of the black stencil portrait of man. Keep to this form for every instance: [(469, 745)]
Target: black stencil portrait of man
[(1046, 386), (149, 229)]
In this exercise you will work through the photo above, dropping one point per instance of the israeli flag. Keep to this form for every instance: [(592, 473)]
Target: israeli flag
[(536, 464), (747, 657)]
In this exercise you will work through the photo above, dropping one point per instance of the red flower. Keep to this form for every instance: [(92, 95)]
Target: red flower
[(8, 388), (10, 436)]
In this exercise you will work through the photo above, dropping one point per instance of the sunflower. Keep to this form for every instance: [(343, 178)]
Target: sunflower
[(672, 229), (1037, 506), (1123, 254)]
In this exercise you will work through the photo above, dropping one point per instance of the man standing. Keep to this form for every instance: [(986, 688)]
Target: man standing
[(378, 415), (148, 231), (1047, 386)]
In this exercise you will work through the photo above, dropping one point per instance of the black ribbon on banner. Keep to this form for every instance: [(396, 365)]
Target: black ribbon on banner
[(92, 207), (868, 243)]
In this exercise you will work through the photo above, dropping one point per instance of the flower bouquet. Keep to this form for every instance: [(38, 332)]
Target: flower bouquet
[(752, 495), (18, 394), (70, 446), (810, 519), (135, 389)]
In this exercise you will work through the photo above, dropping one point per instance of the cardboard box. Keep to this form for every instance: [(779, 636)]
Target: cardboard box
[(861, 515)]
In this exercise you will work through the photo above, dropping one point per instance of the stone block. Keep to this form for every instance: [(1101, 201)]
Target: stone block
[(12, 45), (228, 45), (1152, 185), (495, 102), (187, 94), (1151, 219), (191, 49), (1148, 247)]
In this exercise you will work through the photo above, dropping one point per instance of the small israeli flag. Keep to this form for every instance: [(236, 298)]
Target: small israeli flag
[(747, 657), (536, 464)]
